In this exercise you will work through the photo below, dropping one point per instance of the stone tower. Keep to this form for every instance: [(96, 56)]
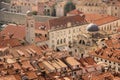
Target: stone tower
[(30, 28)]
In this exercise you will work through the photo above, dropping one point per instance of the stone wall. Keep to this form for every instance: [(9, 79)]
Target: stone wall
[(20, 18), (12, 18)]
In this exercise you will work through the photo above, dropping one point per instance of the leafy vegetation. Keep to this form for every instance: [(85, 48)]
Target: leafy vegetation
[(69, 7), (34, 12)]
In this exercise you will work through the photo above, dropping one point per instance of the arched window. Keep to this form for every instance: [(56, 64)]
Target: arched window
[(116, 24), (31, 25), (53, 46), (61, 41), (110, 27), (83, 42), (64, 40), (80, 41), (57, 41), (81, 55), (105, 28)]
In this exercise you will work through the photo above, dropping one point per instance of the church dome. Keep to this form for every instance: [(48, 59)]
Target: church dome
[(29, 13), (92, 27)]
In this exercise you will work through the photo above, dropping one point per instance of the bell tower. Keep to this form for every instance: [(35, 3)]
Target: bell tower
[(30, 28)]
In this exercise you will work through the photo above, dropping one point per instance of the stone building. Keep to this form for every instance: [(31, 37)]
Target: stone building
[(22, 6), (107, 24), (46, 8), (64, 29), (85, 41), (110, 7), (62, 8), (30, 28)]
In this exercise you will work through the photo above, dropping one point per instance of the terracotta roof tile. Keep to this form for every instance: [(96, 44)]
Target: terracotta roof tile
[(11, 42), (93, 17), (18, 31), (105, 20), (75, 12), (9, 77), (111, 51), (62, 21), (31, 75), (100, 19)]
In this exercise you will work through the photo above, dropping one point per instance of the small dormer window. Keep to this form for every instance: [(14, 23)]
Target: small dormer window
[(27, 25), (68, 24), (31, 25)]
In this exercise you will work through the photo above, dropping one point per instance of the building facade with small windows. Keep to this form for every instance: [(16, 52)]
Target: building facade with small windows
[(110, 7), (22, 6), (46, 8), (62, 8), (110, 27), (63, 37), (64, 30), (107, 24), (113, 65), (63, 33)]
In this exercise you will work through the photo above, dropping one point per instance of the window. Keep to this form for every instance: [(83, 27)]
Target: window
[(73, 30), (69, 42), (118, 69), (69, 24), (31, 25), (75, 50), (57, 41), (52, 35), (105, 60), (28, 4), (64, 40), (79, 29), (21, 3), (119, 64), (53, 46), (69, 31), (61, 41), (45, 35), (27, 25), (25, 4), (116, 24), (52, 41), (115, 14), (109, 61), (97, 58)]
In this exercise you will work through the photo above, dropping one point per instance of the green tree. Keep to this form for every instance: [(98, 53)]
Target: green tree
[(34, 12), (69, 7)]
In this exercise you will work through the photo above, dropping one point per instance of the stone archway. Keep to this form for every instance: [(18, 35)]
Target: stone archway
[(82, 42)]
